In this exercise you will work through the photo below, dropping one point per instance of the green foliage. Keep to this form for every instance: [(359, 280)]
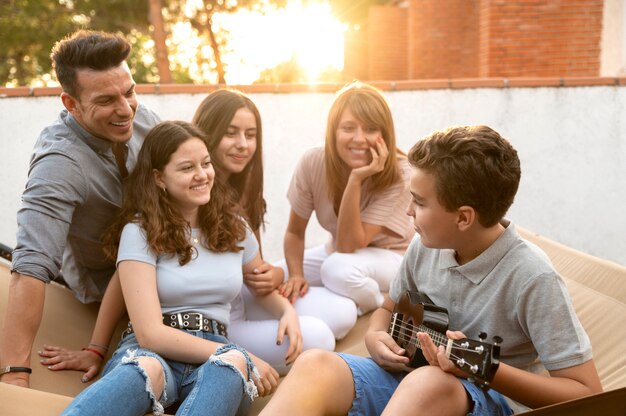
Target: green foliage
[(292, 72), (29, 29)]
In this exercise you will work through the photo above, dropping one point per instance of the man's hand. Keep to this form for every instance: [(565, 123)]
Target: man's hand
[(294, 286), (264, 279), (385, 352), (17, 379), (22, 317), (57, 358)]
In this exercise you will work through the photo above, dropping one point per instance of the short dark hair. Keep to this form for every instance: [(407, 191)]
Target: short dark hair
[(86, 49), (472, 165)]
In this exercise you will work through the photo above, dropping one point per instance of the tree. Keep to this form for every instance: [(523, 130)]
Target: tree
[(159, 35), (29, 29), (201, 19)]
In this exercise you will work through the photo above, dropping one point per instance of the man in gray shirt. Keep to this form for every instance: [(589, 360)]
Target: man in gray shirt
[(74, 188)]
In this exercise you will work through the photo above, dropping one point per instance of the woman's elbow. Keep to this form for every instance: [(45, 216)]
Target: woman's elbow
[(349, 247)]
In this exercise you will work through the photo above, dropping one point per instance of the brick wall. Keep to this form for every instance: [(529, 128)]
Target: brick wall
[(540, 38), (355, 56), (387, 42), (443, 38), (430, 39)]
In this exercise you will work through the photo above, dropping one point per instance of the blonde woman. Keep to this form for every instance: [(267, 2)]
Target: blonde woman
[(357, 185)]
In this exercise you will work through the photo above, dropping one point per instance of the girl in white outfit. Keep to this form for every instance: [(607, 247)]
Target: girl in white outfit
[(357, 185)]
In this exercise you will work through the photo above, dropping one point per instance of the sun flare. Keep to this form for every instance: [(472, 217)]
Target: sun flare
[(310, 34)]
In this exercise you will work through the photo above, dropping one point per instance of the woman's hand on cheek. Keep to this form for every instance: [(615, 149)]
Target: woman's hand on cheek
[(379, 156)]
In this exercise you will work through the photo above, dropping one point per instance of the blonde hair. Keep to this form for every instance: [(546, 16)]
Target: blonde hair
[(368, 106)]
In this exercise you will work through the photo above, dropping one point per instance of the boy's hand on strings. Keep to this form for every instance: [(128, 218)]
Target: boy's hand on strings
[(436, 356)]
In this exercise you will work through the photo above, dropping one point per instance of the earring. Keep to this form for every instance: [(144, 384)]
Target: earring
[(164, 190)]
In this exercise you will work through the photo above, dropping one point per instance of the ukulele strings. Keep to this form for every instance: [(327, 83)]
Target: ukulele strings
[(406, 332)]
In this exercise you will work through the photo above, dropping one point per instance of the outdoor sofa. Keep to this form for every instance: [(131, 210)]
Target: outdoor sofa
[(598, 289)]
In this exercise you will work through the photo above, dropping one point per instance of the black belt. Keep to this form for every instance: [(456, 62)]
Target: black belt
[(191, 321)]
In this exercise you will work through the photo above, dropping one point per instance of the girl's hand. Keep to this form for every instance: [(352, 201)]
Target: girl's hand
[(379, 157), (264, 279), (294, 286), (57, 358), (268, 381), (289, 325)]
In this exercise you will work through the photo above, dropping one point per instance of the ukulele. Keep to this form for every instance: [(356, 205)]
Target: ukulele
[(416, 313)]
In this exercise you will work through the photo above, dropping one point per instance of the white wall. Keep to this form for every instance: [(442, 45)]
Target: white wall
[(571, 141)]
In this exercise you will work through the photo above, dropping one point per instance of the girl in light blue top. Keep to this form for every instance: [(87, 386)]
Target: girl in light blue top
[(183, 249)]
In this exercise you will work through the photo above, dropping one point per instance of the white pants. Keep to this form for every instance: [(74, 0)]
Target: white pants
[(360, 276), (324, 316)]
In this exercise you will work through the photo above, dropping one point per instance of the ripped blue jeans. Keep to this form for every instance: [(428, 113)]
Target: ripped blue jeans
[(215, 387)]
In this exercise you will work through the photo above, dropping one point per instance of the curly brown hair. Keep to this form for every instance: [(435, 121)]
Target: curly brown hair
[(221, 226)]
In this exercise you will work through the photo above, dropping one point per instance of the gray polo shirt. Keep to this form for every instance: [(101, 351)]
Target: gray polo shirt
[(510, 290), (73, 191)]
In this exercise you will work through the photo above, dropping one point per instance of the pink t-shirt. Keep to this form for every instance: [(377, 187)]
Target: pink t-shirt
[(308, 193)]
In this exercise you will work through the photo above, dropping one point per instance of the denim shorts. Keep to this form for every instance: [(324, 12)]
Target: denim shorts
[(374, 387)]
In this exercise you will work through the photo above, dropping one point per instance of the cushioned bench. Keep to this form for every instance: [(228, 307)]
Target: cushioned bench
[(598, 289)]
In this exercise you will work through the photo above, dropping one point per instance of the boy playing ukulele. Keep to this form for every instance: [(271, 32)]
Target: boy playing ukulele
[(471, 261)]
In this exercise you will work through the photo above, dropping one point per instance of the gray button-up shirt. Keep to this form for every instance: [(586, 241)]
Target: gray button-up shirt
[(73, 192)]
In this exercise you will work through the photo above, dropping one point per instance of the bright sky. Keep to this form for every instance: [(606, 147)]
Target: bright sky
[(258, 42)]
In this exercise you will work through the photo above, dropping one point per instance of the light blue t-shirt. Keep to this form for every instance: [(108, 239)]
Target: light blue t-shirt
[(207, 284)]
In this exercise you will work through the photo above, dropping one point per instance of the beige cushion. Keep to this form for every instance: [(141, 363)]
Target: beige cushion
[(598, 290)]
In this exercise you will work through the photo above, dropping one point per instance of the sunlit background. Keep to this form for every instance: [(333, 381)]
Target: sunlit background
[(306, 35), (240, 42), (299, 42)]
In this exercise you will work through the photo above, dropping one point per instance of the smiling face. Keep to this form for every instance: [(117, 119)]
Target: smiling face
[(106, 102), (354, 140), (188, 178), (436, 226), (237, 147)]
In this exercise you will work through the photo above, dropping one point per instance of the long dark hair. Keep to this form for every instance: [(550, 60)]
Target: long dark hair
[(213, 116), (167, 232)]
